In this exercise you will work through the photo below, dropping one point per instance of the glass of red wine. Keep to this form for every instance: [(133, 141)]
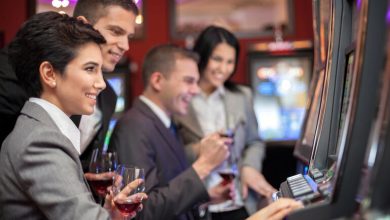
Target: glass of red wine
[(228, 170), (103, 164), (125, 175)]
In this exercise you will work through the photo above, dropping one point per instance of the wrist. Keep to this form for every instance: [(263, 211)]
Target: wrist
[(202, 168)]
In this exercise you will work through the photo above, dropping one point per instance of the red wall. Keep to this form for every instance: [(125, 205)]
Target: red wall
[(13, 13)]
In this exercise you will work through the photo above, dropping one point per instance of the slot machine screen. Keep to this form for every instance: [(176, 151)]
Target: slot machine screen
[(280, 87)]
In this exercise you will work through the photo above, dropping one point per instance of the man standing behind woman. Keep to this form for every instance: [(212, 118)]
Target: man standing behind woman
[(222, 105)]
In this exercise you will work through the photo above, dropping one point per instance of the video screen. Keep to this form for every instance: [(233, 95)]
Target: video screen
[(280, 93)]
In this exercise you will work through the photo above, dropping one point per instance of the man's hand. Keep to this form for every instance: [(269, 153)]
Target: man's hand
[(250, 177), (213, 150), (276, 210), (221, 192), (99, 176)]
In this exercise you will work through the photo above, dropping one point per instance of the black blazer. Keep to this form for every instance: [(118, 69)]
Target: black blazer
[(12, 96), (174, 189)]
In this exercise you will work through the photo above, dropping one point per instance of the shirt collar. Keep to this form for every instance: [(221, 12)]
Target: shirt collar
[(218, 93), (63, 122), (157, 110)]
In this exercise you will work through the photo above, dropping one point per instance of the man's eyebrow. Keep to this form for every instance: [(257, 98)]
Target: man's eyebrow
[(116, 27)]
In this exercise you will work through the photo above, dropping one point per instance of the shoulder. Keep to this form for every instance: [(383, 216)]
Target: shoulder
[(134, 123), (240, 90), (32, 141)]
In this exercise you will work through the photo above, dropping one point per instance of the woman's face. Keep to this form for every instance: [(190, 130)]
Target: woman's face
[(220, 66), (77, 88)]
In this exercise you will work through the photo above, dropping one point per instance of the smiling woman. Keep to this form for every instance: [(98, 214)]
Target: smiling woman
[(58, 60), (76, 90)]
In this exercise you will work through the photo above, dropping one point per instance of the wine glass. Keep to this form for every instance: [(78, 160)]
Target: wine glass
[(103, 165), (228, 170), (125, 175)]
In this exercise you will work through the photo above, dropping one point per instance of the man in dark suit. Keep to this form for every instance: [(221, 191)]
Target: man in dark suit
[(115, 20), (146, 137)]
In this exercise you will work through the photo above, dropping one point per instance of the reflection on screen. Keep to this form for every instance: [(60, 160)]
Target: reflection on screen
[(314, 111), (304, 146), (118, 85), (345, 97), (280, 86), (109, 132)]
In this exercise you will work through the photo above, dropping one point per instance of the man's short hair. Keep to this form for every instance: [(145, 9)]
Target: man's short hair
[(93, 10), (51, 37), (163, 59)]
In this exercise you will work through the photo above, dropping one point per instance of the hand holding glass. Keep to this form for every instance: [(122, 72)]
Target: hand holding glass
[(129, 202), (101, 171)]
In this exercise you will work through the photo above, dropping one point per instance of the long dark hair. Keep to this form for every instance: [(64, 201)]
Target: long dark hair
[(205, 44)]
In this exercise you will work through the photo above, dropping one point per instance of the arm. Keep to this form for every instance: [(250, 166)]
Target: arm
[(277, 210), (53, 178), (253, 154)]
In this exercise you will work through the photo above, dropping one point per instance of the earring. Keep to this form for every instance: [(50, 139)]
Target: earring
[(53, 83)]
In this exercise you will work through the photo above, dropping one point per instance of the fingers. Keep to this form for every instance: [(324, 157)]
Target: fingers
[(244, 190), (131, 186), (282, 204), (99, 176), (221, 192), (282, 213)]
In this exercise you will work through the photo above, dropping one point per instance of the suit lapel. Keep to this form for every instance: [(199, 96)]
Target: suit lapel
[(232, 106), (174, 144), (35, 111)]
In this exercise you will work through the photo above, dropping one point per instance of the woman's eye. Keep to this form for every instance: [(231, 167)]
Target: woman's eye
[(90, 69)]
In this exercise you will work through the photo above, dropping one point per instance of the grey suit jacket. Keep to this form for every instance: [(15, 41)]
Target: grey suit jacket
[(141, 139), (247, 144), (40, 173)]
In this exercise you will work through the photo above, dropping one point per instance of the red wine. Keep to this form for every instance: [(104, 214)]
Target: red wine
[(227, 176), (127, 208), (227, 134), (100, 186)]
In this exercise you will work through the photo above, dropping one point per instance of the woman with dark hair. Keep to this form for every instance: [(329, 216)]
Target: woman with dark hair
[(223, 105), (58, 60)]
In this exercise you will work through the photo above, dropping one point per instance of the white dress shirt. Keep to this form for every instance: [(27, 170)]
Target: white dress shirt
[(157, 110), (89, 127)]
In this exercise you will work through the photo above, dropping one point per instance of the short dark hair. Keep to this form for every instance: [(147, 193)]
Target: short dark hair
[(208, 39), (51, 37), (163, 58), (93, 10)]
